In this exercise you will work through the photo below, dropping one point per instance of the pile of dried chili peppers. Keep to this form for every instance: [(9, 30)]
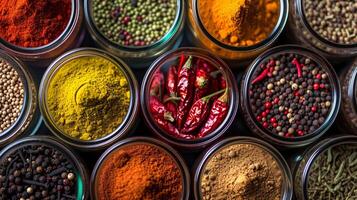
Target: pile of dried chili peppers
[(189, 100)]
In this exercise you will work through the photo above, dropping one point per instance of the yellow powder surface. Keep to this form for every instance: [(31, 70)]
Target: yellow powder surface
[(88, 97)]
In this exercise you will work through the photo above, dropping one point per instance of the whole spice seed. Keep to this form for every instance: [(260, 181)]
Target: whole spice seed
[(88, 97), (134, 23), (290, 95), (333, 174), (37, 172), (241, 171), (28, 23), (334, 20), (139, 171), (239, 22), (191, 108), (11, 95)]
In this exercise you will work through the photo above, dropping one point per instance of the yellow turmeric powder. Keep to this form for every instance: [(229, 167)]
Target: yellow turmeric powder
[(239, 22), (88, 97)]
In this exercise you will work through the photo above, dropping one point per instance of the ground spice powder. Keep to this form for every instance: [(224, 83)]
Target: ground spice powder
[(239, 22), (29, 23), (88, 97), (139, 171), (241, 172)]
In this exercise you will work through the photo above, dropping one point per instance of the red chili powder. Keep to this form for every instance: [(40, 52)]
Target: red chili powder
[(33, 23), (139, 171)]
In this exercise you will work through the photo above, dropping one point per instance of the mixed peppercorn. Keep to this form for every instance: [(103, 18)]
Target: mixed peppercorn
[(37, 172), (290, 95), (189, 100)]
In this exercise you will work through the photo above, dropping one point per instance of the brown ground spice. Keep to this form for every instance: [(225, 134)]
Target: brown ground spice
[(241, 172), (139, 171)]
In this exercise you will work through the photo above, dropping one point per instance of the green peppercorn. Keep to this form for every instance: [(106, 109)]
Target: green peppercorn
[(139, 23)]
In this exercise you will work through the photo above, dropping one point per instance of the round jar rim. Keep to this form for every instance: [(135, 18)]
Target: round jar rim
[(122, 130), (179, 18), (70, 27), (336, 93), (320, 148), (354, 83), (29, 102), (306, 24), (53, 143), (174, 155), (287, 192), (233, 99), (279, 27)]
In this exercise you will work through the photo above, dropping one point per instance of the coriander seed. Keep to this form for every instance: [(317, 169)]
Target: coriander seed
[(11, 95), (334, 20)]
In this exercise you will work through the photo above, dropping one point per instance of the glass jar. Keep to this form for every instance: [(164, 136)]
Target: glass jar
[(301, 174), (201, 38), (125, 127), (348, 115), (148, 141), (201, 162), (290, 142), (41, 56), (162, 64), (302, 32), (136, 56), (29, 119), (81, 172)]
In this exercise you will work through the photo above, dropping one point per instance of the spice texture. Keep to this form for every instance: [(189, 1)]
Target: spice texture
[(334, 20), (134, 22), (37, 172), (241, 172), (239, 22), (333, 174), (190, 100), (290, 94), (11, 95), (29, 23), (139, 171), (88, 97)]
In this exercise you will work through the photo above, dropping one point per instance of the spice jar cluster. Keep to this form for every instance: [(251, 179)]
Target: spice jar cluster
[(246, 99)]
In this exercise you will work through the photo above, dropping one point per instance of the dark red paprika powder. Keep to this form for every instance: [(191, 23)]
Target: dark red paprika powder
[(29, 23)]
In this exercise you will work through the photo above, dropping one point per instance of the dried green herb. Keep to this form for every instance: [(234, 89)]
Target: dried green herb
[(333, 174)]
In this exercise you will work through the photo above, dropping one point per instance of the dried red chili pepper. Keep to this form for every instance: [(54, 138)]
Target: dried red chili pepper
[(159, 111), (171, 106), (217, 115), (198, 113), (222, 82), (266, 71), (171, 81), (182, 61), (298, 66), (157, 85), (201, 83), (185, 89), (261, 76), (172, 130)]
